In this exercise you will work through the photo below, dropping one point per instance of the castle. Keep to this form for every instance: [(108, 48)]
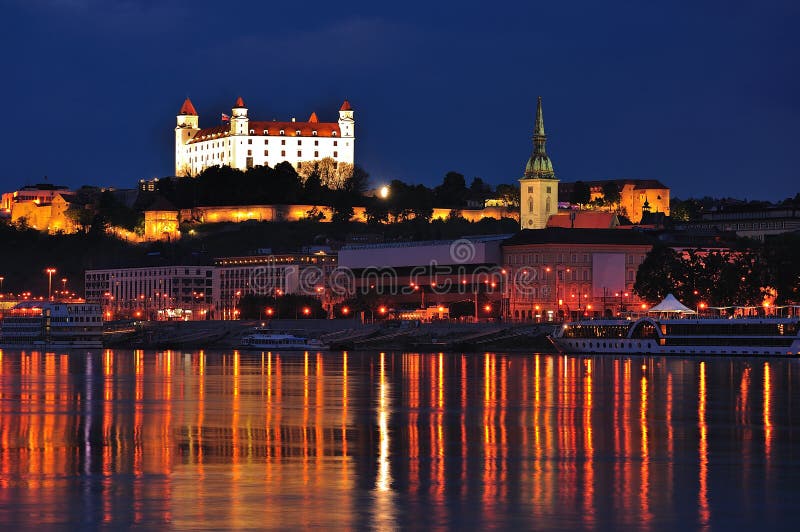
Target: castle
[(245, 143)]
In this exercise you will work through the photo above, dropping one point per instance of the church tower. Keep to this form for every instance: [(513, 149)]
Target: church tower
[(538, 192), (187, 127)]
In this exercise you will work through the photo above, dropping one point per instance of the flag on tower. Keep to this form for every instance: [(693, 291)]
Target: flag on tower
[(225, 118)]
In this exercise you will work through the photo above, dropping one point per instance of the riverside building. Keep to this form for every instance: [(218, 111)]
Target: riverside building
[(243, 143), (154, 293), (573, 272)]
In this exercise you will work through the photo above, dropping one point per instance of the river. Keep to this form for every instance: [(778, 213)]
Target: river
[(214, 440)]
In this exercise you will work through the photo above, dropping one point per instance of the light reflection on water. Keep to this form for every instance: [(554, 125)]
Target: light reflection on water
[(386, 440)]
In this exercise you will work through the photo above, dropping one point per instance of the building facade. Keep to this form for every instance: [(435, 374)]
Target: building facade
[(636, 196), (558, 272), (155, 293), (270, 275), (243, 143), (538, 187)]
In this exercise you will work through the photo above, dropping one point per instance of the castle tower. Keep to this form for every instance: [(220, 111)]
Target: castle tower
[(539, 186), (241, 153), (186, 128), (347, 124)]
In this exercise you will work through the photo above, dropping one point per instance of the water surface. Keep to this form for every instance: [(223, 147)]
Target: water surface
[(209, 440)]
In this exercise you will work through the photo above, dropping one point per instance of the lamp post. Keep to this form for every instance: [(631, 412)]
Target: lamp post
[(1, 283), (50, 272)]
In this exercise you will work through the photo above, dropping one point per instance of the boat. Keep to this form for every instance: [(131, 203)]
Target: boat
[(740, 336), (52, 325), (266, 338)]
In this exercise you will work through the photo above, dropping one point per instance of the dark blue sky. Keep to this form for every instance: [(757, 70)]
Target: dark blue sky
[(702, 95)]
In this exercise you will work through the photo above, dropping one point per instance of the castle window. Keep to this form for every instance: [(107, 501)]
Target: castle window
[(333, 133), (266, 141), (299, 142), (283, 153), (530, 190), (252, 132), (314, 132), (283, 142), (266, 132), (266, 153), (297, 133), (530, 205), (316, 143), (336, 154), (299, 153), (335, 142), (316, 154), (250, 141), (548, 190), (282, 132)]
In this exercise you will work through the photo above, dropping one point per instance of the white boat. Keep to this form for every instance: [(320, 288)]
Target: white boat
[(52, 325), (265, 338), (683, 336)]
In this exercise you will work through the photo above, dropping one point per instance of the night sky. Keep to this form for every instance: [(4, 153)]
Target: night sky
[(702, 95)]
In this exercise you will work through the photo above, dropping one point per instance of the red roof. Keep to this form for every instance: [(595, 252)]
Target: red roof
[(187, 108), (313, 118), (239, 102), (290, 129), (584, 220), (346, 106)]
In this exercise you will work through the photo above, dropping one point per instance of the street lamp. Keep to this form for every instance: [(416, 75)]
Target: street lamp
[(50, 272)]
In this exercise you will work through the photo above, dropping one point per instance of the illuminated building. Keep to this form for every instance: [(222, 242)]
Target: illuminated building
[(43, 207), (637, 196), (245, 143), (271, 275), (162, 292), (572, 271)]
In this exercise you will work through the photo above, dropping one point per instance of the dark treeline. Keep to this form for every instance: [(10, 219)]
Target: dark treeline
[(743, 276), (219, 186)]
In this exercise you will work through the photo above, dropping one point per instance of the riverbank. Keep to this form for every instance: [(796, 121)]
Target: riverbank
[(338, 335)]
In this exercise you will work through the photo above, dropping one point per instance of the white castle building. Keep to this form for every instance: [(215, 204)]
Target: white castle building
[(243, 143)]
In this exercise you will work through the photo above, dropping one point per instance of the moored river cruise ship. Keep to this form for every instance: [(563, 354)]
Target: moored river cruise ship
[(681, 336), (53, 325)]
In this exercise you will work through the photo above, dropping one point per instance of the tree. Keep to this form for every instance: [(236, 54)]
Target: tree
[(611, 195), (453, 190), (581, 194), (509, 194), (660, 274), (342, 206), (376, 211)]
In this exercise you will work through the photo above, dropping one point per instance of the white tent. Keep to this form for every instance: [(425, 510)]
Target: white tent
[(670, 304)]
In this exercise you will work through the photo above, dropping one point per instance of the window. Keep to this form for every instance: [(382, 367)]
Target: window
[(266, 132), (530, 190), (266, 153), (316, 154), (530, 204), (335, 142), (333, 133), (283, 153), (283, 142), (266, 141), (548, 190), (299, 142), (336, 154), (249, 141), (249, 153), (314, 133), (316, 143), (282, 132), (297, 133), (299, 153)]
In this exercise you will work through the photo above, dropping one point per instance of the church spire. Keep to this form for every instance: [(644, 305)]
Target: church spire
[(539, 164)]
